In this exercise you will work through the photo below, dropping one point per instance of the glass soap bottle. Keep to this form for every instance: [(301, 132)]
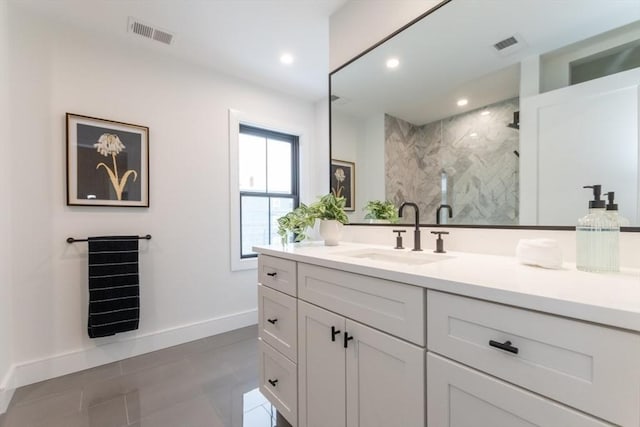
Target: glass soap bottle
[(597, 236)]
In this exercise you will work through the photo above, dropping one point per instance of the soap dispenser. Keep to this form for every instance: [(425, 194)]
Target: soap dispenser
[(612, 210), (597, 237)]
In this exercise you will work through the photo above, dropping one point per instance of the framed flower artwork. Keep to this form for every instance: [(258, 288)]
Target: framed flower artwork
[(343, 182), (107, 163)]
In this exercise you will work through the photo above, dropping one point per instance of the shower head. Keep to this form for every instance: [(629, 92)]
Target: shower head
[(516, 152)]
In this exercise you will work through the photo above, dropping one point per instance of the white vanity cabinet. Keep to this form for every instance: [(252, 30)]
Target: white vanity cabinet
[(355, 376), (374, 352)]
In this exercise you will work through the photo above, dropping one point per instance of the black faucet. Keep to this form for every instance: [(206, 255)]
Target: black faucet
[(416, 233), (438, 212)]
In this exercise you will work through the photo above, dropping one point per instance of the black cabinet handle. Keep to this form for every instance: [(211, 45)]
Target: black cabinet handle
[(506, 346), (273, 382), (334, 332), (347, 338), (272, 321), (272, 274)]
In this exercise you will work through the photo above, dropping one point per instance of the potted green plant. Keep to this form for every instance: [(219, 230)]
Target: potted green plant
[(295, 223), (381, 211), (329, 210)]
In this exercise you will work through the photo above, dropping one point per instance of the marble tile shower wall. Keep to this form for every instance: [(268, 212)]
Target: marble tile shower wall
[(475, 151)]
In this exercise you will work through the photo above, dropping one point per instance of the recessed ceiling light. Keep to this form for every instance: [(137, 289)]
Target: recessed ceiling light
[(286, 59), (393, 63), (462, 102), (485, 112), (473, 135)]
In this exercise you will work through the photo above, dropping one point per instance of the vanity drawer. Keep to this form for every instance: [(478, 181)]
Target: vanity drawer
[(392, 307), (277, 322), (463, 397), (593, 368), (279, 382), (277, 273)]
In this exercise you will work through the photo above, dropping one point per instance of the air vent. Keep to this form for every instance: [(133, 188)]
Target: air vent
[(505, 43), (147, 31), (509, 45)]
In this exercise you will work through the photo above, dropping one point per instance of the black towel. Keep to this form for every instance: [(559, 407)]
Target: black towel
[(114, 290)]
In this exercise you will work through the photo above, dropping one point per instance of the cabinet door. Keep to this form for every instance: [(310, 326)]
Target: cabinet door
[(321, 368), (385, 380), (463, 397)]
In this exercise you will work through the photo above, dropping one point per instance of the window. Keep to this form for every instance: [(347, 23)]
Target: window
[(268, 184)]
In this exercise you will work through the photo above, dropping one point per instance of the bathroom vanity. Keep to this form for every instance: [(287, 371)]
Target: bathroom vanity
[(361, 335)]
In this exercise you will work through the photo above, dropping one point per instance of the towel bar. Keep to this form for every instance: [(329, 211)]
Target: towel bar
[(72, 240)]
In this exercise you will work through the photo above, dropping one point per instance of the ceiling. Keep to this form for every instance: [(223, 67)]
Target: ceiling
[(450, 55), (241, 38)]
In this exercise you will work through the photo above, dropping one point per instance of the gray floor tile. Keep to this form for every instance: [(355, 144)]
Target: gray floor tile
[(101, 391), (107, 414), (158, 358), (46, 409), (196, 412), (65, 383), (111, 413), (146, 400), (232, 337)]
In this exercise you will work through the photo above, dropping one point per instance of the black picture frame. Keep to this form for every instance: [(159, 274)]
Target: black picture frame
[(343, 182), (107, 162)]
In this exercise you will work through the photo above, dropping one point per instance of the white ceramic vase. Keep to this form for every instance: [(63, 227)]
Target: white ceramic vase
[(330, 231)]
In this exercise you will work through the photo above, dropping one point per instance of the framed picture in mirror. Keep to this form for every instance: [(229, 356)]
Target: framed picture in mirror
[(343, 182)]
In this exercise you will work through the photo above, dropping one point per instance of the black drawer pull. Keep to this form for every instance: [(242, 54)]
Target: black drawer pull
[(273, 382), (272, 321), (347, 338), (334, 332), (272, 274), (506, 346)]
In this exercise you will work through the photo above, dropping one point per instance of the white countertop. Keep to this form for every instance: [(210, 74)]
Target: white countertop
[(609, 299)]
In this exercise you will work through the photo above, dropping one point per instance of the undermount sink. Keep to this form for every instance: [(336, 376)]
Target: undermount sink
[(396, 256)]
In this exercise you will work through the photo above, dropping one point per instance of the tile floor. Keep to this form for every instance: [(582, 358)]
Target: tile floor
[(211, 382)]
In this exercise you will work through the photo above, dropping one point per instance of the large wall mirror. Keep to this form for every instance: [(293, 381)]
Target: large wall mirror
[(496, 112)]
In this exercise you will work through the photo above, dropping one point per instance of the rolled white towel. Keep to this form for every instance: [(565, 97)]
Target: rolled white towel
[(539, 252)]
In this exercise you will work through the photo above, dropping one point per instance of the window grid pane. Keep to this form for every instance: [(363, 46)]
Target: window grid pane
[(279, 166), (252, 167), (255, 223)]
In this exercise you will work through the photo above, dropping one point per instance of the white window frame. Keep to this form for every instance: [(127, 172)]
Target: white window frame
[(236, 118)]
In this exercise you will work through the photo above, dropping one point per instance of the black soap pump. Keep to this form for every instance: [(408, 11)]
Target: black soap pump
[(612, 210)]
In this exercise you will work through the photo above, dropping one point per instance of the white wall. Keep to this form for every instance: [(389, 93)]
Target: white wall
[(5, 224), (185, 275), (359, 24)]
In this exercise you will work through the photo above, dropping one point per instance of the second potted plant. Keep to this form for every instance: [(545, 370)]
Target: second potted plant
[(381, 211)]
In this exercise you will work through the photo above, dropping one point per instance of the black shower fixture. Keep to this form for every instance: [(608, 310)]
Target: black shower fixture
[(516, 120)]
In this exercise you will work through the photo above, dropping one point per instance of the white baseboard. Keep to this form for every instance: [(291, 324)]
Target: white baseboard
[(6, 390), (113, 349)]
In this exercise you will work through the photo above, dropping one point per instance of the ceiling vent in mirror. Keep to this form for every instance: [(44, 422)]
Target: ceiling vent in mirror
[(509, 45), (149, 32)]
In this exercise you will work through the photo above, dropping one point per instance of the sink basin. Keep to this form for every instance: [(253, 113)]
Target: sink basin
[(396, 257)]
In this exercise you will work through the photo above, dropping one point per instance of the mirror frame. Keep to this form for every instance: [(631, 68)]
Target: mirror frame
[(429, 225)]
